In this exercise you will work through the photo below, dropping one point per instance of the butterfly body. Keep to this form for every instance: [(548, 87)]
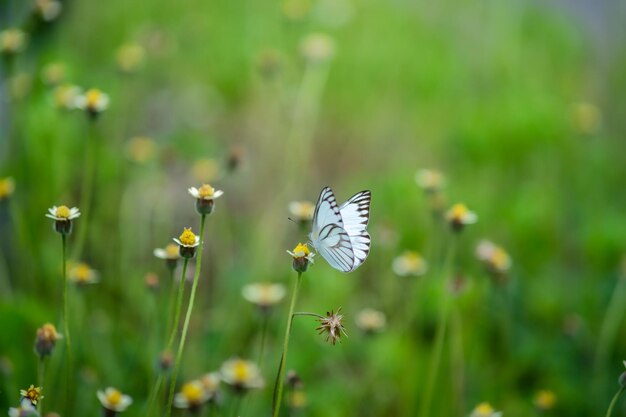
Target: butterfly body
[(339, 233)]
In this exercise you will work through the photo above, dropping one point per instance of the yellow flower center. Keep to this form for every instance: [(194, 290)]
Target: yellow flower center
[(499, 259), (484, 409), (49, 332), (458, 211), (192, 392), (6, 187), (171, 250), (206, 191), (63, 212), (82, 272), (93, 97), (187, 238), (545, 399), (301, 251), (32, 393), (114, 397), (241, 371)]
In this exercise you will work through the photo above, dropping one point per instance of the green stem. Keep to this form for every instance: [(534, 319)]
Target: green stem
[(66, 318), (442, 327), (41, 372), (610, 326), (306, 313), (170, 303), (153, 394), (174, 331), (183, 337), (614, 400), (278, 384), (179, 305)]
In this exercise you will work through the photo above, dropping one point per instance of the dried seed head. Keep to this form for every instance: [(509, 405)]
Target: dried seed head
[(333, 327)]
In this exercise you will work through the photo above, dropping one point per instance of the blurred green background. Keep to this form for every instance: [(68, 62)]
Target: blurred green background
[(519, 103)]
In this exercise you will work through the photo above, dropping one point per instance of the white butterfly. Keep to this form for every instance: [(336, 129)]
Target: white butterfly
[(340, 233)]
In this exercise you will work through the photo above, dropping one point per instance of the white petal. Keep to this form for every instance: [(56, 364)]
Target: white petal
[(218, 194)]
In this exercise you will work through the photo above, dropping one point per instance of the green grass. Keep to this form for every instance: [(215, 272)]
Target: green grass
[(483, 91)]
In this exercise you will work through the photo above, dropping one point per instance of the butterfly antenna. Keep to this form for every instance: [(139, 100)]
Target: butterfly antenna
[(292, 220)]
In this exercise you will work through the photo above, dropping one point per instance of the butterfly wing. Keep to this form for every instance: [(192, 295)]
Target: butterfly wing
[(355, 214), (335, 246), (326, 211)]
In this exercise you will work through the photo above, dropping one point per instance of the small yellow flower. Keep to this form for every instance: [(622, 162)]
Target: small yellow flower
[(318, 48), (296, 9), (12, 41), (459, 216), (48, 10), (82, 274), (141, 149), (63, 213), (205, 170), (94, 102), (205, 196), (409, 263), (113, 400), (297, 399), (586, 117), (169, 252), (370, 320), (264, 294), (332, 325), (66, 96), (485, 410), (187, 243), (63, 217), (188, 238), (33, 394), (192, 395), (302, 211), (130, 57), (242, 375), (544, 400), (211, 383), (46, 339), (7, 187), (53, 73), (205, 192), (302, 256), (429, 180), (495, 258)]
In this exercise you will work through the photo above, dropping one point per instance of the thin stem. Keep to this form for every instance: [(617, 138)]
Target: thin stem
[(614, 400), (179, 305), (174, 331), (66, 317), (609, 330), (183, 337), (171, 303), (153, 394), (306, 313), (278, 384), (442, 327), (41, 373)]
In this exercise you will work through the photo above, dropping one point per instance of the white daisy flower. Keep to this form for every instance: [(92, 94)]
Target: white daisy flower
[(114, 400), (264, 294), (242, 375)]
